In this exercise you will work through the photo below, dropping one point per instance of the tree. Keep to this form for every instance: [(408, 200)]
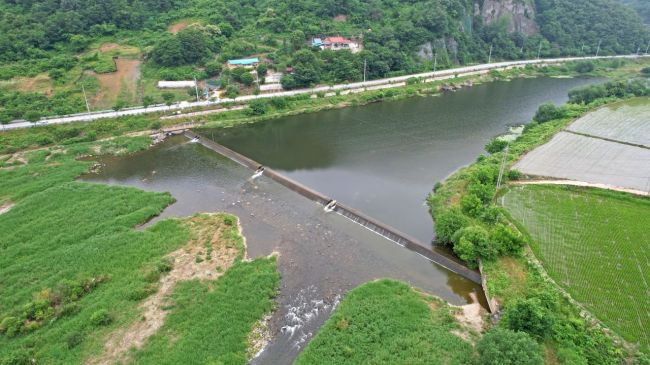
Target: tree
[(168, 98), (262, 70), (505, 347), (449, 222), (547, 112), (247, 79), (147, 100), (213, 68)]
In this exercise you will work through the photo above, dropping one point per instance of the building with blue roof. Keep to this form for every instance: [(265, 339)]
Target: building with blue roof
[(244, 62)]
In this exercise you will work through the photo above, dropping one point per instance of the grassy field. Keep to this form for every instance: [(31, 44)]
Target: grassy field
[(387, 322), (74, 271), (210, 322), (596, 245)]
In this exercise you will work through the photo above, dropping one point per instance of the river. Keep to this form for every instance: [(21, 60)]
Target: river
[(382, 159)]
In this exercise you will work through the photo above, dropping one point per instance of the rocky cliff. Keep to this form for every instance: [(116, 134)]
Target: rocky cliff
[(519, 15)]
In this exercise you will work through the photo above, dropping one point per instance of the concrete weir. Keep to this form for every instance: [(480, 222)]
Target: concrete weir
[(350, 213)]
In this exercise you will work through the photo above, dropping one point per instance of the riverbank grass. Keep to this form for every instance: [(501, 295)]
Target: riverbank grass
[(74, 271), (387, 322), (595, 245)]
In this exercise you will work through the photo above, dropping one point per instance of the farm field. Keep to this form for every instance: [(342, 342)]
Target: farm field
[(596, 245), (387, 322), (608, 146), (627, 121), (78, 284), (593, 160)]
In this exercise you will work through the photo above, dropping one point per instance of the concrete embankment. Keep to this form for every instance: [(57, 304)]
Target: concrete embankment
[(350, 213)]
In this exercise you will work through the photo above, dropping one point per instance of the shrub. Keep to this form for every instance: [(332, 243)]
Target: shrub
[(472, 205), (507, 241), (449, 222), (257, 107), (10, 326), (155, 125), (529, 316), (232, 91), (165, 265), (514, 174), (496, 145), (229, 220), (547, 112), (73, 339), (504, 347), (646, 71), (100, 318), (279, 103), (584, 67)]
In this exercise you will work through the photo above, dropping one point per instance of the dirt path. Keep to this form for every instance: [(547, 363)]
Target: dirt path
[(189, 263), (5, 207), (177, 27), (581, 183), (470, 316)]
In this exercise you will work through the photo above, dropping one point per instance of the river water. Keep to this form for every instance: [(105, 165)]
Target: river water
[(382, 159)]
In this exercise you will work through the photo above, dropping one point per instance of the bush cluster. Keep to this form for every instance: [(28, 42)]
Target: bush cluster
[(611, 89), (48, 305)]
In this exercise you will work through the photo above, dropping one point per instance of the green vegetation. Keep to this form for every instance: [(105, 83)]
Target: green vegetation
[(387, 322), (73, 269), (226, 315), (185, 39), (477, 229), (595, 245), (505, 347)]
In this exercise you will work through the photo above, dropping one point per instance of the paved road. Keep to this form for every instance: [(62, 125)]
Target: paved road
[(357, 86)]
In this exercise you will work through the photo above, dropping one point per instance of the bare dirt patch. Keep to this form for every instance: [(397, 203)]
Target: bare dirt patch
[(470, 317), (341, 18), (178, 26), (5, 207), (106, 47), (38, 84), (205, 257), (123, 81)]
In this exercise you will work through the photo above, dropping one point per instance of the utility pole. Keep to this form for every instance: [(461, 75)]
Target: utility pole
[(638, 50), (598, 50), (196, 88), (648, 48), (582, 50), (490, 56), (85, 98), (435, 62), (365, 65), (503, 166), (539, 50)]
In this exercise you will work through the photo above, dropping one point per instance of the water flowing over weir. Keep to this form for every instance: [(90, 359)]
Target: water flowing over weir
[(352, 214)]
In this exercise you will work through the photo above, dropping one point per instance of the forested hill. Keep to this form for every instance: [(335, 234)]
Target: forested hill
[(641, 6), (62, 37)]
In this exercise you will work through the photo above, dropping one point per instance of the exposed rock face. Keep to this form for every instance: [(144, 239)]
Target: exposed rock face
[(519, 14)]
